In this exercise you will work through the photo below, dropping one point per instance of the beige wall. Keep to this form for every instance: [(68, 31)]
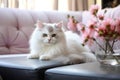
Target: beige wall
[(91, 2), (99, 2)]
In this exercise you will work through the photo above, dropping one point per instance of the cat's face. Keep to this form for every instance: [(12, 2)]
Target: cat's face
[(50, 33)]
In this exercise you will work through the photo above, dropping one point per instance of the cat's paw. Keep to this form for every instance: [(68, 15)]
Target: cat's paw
[(45, 57), (75, 61), (33, 56)]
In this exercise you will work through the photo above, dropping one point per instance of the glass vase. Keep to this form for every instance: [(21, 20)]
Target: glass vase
[(108, 58)]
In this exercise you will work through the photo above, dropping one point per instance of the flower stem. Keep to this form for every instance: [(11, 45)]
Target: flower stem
[(99, 45), (112, 51)]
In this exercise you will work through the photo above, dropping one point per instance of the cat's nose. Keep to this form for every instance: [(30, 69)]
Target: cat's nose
[(49, 39)]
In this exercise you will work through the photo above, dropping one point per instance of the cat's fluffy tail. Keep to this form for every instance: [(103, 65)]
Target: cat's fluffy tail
[(82, 57), (76, 58)]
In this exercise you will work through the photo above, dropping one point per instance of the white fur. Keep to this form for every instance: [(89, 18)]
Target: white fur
[(67, 48), (76, 50)]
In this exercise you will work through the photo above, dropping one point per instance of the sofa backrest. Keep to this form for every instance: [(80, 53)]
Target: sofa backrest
[(17, 25)]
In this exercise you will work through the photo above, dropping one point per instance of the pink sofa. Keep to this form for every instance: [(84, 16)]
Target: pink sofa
[(17, 25)]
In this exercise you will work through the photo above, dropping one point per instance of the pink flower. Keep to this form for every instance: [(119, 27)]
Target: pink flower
[(94, 9), (108, 24), (101, 31), (87, 36), (71, 25), (117, 25), (98, 28), (81, 27), (107, 29), (100, 16)]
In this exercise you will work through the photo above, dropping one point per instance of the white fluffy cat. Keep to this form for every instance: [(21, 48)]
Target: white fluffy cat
[(49, 41)]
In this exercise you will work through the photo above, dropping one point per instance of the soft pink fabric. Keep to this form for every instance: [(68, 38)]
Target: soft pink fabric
[(111, 12), (56, 16), (16, 27)]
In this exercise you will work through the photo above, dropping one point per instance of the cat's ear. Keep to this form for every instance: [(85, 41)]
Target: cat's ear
[(59, 24), (39, 24)]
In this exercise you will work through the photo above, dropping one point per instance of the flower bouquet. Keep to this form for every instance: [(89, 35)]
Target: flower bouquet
[(98, 28)]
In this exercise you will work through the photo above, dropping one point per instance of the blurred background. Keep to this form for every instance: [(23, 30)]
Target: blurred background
[(61, 5)]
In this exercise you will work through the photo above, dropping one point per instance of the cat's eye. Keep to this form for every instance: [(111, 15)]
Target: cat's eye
[(44, 35), (53, 35)]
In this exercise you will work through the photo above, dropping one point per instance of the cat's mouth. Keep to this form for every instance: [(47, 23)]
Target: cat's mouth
[(49, 42)]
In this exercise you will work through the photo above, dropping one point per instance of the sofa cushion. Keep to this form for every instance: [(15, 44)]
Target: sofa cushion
[(15, 29), (18, 67)]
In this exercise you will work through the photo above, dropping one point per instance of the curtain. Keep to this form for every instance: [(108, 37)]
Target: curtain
[(77, 5), (71, 5), (12, 3), (62, 5)]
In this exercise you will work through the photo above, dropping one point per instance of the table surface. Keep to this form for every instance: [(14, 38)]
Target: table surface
[(1, 78), (94, 70)]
